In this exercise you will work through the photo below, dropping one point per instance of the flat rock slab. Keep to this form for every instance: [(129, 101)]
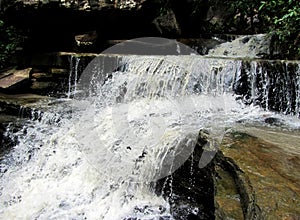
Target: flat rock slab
[(25, 99), (273, 168), (14, 79)]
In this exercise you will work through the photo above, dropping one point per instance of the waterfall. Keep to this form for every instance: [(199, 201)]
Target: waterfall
[(273, 85), (155, 99), (73, 76), (133, 120)]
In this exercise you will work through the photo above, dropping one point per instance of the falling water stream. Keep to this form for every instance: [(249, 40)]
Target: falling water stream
[(96, 156), (73, 76)]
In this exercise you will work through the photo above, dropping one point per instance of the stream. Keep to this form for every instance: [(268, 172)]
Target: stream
[(131, 120)]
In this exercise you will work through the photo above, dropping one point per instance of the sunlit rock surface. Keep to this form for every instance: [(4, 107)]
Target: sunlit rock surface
[(14, 79), (249, 46), (270, 159)]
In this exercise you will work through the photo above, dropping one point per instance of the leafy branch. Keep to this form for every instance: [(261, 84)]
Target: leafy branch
[(10, 39)]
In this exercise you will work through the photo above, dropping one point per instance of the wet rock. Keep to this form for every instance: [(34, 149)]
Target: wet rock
[(270, 171), (52, 82), (19, 111), (21, 106), (243, 186), (39, 86), (227, 197), (12, 109), (190, 190), (221, 190), (274, 121), (6, 142)]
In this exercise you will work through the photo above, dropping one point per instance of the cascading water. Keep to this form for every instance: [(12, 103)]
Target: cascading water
[(273, 85), (73, 76), (154, 98), (124, 129)]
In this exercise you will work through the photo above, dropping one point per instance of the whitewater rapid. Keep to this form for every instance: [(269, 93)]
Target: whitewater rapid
[(97, 156)]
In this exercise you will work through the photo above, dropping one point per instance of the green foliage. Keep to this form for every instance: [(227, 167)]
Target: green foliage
[(244, 15), (10, 39), (283, 20)]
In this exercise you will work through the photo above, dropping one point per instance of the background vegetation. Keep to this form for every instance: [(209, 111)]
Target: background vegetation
[(279, 18), (283, 17), (10, 39)]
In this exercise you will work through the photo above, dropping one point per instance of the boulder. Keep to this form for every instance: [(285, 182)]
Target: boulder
[(167, 24), (265, 166), (190, 190), (248, 46)]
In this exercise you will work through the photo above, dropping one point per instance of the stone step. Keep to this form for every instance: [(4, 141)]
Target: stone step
[(11, 80)]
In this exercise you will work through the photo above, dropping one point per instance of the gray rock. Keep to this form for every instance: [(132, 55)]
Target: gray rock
[(167, 24), (249, 46)]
